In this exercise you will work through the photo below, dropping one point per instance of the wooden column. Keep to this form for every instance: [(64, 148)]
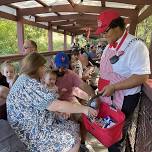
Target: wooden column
[(150, 56), (20, 32), (133, 24), (65, 41), (72, 38), (50, 39)]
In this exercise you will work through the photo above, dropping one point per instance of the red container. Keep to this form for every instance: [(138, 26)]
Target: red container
[(107, 136)]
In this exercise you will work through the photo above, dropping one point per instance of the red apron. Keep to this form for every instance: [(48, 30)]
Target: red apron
[(107, 76)]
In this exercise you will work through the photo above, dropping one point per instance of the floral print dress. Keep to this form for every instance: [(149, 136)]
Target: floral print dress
[(38, 128)]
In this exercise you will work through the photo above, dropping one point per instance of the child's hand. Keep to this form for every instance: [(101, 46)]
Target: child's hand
[(91, 112), (66, 115)]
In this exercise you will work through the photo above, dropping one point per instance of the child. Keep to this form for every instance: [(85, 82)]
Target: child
[(50, 78), (8, 70)]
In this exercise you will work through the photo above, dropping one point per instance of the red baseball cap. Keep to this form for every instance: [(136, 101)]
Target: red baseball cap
[(104, 20)]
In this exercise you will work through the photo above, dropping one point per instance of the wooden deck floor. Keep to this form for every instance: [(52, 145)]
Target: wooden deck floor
[(94, 145)]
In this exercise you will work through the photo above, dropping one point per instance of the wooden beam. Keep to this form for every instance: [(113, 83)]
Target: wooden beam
[(40, 25), (77, 8), (8, 16), (45, 5), (145, 14), (71, 3), (50, 39), (65, 40), (75, 27), (35, 24), (66, 17), (39, 10), (133, 2), (61, 23), (103, 3), (42, 3), (20, 34), (5, 2), (139, 7), (58, 14), (133, 24)]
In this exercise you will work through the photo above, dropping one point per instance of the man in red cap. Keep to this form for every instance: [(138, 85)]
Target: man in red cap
[(124, 67)]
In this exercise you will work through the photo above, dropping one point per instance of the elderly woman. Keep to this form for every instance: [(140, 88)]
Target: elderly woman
[(31, 111)]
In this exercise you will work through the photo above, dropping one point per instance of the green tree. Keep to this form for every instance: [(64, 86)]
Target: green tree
[(39, 35), (8, 37), (144, 30)]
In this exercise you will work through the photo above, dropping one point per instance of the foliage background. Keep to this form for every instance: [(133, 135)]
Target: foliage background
[(8, 37)]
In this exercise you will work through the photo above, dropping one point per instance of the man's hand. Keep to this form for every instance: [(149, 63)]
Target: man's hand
[(108, 90)]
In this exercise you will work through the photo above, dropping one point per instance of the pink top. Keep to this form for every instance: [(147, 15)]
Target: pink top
[(68, 81)]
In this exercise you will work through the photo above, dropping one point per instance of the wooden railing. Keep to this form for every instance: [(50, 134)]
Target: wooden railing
[(17, 57)]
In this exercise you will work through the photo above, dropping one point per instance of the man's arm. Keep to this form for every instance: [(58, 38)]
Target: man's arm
[(131, 82)]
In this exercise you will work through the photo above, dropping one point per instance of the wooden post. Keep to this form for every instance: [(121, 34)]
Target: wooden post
[(65, 41), (50, 39), (20, 32), (133, 24), (150, 56), (72, 38)]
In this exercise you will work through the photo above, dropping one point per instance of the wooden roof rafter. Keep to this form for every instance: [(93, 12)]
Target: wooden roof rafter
[(68, 22), (145, 14), (8, 16), (45, 5), (42, 3), (62, 23), (71, 13), (77, 8), (77, 27), (133, 2), (5, 2), (103, 3), (66, 17), (71, 3)]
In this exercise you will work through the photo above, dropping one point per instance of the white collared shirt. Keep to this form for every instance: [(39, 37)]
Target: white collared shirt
[(135, 60)]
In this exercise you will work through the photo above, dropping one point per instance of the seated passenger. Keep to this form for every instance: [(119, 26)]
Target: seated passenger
[(76, 64), (67, 79), (29, 46), (31, 111), (8, 70), (50, 79), (92, 52)]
